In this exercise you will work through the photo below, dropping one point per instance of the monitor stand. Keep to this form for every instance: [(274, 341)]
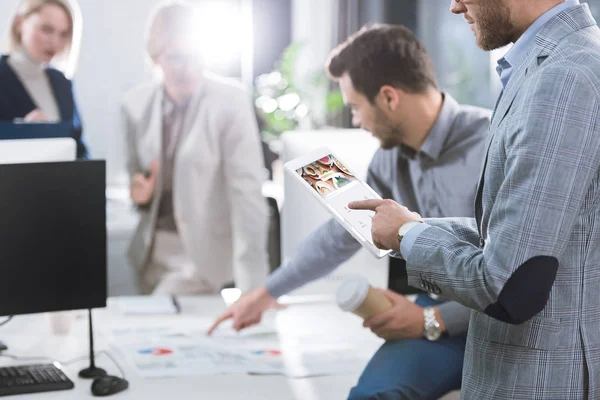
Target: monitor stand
[(92, 371), (3, 346)]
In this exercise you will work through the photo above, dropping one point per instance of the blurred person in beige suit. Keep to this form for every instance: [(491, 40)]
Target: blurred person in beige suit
[(196, 169)]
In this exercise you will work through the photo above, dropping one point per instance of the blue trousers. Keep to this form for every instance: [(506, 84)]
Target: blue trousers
[(414, 369)]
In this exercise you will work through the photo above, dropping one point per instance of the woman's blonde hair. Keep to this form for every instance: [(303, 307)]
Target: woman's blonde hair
[(168, 22), (67, 60)]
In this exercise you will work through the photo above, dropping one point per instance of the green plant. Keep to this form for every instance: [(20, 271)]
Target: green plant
[(285, 102)]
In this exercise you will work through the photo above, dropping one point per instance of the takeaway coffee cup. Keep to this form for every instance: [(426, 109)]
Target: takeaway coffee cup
[(357, 296), (60, 322)]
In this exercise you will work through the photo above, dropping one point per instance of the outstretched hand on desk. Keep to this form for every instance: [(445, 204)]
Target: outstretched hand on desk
[(389, 217), (248, 310)]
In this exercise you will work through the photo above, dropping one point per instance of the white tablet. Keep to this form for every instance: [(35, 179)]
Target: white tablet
[(334, 185)]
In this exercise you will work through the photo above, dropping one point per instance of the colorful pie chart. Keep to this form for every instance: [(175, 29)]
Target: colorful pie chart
[(156, 351), (266, 352)]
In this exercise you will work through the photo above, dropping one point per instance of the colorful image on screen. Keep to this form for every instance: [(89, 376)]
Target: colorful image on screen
[(326, 175)]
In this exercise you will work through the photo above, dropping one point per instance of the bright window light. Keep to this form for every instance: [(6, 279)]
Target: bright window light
[(219, 30)]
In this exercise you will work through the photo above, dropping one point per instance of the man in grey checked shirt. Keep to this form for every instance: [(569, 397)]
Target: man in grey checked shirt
[(431, 150), (529, 263)]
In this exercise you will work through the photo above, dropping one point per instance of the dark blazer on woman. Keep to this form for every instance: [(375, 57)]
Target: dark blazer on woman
[(15, 101)]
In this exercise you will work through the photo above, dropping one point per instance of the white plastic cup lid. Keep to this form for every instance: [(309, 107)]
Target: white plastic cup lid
[(351, 293)]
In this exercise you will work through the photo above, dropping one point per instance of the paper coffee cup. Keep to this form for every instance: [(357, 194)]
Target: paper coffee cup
[(60, 322), (357, 296)]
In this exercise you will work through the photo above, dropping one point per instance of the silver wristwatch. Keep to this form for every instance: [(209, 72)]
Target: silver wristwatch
[(433, 329)]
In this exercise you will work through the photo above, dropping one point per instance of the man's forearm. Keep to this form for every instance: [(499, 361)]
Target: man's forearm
[(321, 253)]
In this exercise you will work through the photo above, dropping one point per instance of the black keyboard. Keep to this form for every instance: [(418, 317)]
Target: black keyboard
[(22, 379)]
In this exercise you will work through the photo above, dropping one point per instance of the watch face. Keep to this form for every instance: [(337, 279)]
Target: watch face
[(433, 333)]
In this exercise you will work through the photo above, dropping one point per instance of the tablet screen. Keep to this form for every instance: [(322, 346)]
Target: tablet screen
[(336, 184)]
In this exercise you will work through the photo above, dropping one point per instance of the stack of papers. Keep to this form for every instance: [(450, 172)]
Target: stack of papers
[(156, 352)]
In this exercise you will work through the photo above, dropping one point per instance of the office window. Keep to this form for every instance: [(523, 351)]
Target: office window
[(463, 70), (594, 7)]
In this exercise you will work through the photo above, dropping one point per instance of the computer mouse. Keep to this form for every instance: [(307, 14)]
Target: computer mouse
[(108, 385)]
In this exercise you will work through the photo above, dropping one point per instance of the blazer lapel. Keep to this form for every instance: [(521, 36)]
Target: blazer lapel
[(503, 104), (191, 115), (154, 134), (62, 96), (152, 144), (512, 89), (22, 101)]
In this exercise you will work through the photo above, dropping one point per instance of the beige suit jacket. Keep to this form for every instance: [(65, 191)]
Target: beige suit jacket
[(218, 173)]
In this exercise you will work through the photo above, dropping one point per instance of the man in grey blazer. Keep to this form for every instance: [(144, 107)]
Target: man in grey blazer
[(528, 265)]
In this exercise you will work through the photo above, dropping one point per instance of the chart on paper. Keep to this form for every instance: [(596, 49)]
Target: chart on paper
[(166, 352)]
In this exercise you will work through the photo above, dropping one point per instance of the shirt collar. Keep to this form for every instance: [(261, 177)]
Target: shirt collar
[(432, 147), (170, 105), (518, 52)]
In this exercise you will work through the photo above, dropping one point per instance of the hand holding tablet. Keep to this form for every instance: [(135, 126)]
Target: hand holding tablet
[(334, 185)]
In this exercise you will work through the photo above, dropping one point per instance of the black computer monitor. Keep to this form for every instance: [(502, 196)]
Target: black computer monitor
[(52, 237)]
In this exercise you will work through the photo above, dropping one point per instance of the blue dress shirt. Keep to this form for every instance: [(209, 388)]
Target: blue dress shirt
[(518, 52)]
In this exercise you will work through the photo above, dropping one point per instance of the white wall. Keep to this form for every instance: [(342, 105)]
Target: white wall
[(112, 61)]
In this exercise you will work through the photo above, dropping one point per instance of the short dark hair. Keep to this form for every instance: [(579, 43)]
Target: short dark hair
[(383, 54)]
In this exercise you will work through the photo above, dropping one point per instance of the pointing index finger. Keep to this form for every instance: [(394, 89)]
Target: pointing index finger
[(371, 204), (225, 316)]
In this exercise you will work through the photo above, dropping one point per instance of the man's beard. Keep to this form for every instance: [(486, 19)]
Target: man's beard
[(389, 134), (494, 27)]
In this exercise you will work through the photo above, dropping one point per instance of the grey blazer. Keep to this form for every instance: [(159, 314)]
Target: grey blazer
[(529, 264)]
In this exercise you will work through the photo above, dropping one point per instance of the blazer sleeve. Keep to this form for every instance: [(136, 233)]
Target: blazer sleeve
[(552, 157), (464, 229), (245, 173)]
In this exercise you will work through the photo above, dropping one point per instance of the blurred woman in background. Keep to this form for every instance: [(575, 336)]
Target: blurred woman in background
[(42, 51), (196, 170)]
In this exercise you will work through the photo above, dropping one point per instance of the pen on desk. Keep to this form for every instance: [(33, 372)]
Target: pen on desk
[(176, 304)]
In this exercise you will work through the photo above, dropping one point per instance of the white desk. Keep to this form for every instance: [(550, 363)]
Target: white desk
[(28, 336)]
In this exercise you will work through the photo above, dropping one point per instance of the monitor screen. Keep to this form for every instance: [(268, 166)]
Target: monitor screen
[(52, 237)]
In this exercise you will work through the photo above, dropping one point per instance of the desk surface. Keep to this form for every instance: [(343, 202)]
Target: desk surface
[(29, 336)]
